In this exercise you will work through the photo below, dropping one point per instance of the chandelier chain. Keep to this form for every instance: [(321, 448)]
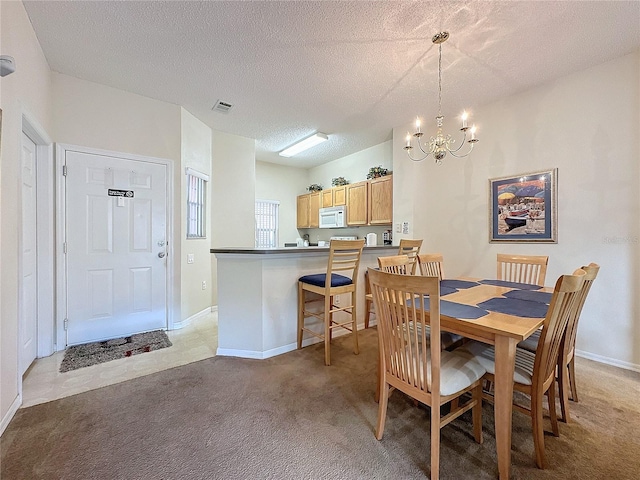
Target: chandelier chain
[(440, 79)]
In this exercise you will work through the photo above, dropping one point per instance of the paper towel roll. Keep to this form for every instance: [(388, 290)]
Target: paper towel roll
[(372, 239)]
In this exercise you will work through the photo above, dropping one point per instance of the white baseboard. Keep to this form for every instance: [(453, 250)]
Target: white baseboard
[(257, 355), (607, 360), (12, 411), (195, 316), (230, 352)]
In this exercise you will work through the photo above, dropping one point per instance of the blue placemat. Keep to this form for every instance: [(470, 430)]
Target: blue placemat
[(540, 297), (515, 306), (462, 284), (446, 290), (458, 310), (502, 283)]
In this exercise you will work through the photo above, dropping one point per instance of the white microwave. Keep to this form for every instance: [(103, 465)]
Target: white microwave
[(333, 217)]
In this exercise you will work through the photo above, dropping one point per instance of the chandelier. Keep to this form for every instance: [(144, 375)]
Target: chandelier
[(441, 144)]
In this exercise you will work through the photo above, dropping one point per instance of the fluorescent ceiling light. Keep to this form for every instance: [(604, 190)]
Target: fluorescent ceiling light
[(304, 144)]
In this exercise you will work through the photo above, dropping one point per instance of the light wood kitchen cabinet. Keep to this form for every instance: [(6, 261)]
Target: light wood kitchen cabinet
[(327, 197), (339, 195), (302, 211), (357, 203), (381, 201), (368, 203), (314, 210), (308, 210)]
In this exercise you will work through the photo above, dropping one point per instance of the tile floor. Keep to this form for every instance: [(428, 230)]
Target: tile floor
[(43, 381)]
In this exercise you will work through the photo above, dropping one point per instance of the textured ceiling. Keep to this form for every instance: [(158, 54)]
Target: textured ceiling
[(351, 69)]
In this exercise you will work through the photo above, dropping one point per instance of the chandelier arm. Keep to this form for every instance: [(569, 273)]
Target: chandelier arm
[(452, 152), (464, 138), (417, 159), (427, 153)]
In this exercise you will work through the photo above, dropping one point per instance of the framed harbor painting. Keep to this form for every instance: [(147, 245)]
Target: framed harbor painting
[(522, 208)]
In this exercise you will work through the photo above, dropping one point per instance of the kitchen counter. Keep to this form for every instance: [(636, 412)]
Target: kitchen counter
[(296, 250), (258, 295)]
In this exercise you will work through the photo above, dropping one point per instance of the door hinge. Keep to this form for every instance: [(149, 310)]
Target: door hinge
[(64, 247), (64, 170), (66, 323)]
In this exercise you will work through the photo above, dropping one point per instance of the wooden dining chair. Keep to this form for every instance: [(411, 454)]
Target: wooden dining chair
[(399, 264), (522, 268), (410, 363), (566, 374), (535, 374), (407, 247), (342, 275), (430, 265), (410, 248)]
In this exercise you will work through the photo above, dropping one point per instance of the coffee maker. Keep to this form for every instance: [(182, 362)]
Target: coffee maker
[(386, 237)]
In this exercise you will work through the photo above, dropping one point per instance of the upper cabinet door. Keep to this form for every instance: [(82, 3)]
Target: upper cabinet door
[(357, 203), (339, 195), (303, 211), (314, 210), (381, 201), (327, 197)]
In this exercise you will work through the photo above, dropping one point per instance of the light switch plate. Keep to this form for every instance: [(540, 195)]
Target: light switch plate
[(189, 257)]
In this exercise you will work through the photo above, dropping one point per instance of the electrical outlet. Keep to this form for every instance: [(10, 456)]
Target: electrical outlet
[(336, 300), (398, 228), (189, 257), (204, 285)]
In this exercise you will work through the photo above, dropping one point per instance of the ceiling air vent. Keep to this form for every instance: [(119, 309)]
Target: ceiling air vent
[(222, 107)]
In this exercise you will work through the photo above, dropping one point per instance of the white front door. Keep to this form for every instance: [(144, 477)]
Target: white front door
[(28, 287), (116, 231)]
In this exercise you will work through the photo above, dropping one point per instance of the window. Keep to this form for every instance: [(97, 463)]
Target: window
[(196, 202), (266, 223)]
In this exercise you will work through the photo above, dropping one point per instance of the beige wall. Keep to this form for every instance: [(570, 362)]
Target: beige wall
[(97, 116), (233, 193), (284, 184), (27, 90), (355, 167), (196, 154), (233, 190), (586, 125)]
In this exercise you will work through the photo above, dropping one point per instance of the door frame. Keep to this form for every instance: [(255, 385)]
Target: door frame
[(61, 260), (45, 242)]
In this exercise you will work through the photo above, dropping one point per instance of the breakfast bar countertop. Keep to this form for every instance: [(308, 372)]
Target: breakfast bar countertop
[(278, 250)]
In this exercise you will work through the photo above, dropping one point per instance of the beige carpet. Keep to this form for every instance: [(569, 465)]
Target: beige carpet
[(290, 417)]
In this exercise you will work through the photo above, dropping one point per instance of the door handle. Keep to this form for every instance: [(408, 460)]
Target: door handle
[(161, 255)]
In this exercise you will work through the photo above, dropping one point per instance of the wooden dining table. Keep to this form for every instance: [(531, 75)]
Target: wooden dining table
[(502, 314), (464, 311)]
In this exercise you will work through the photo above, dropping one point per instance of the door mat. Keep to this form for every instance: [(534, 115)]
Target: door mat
[(93, 353)]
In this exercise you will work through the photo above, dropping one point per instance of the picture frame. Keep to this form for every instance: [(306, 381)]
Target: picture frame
[(523, 208)]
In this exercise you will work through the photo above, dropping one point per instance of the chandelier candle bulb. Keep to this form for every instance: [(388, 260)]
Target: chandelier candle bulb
[(408, 139), (464, 119), (417, 124)]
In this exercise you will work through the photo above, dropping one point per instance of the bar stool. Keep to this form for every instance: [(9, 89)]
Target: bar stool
[(408, 247), (344, 257)]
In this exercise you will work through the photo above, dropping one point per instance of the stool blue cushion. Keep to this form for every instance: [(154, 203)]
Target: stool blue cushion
[(319, 280)]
